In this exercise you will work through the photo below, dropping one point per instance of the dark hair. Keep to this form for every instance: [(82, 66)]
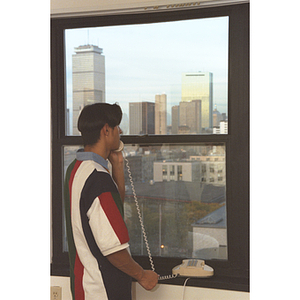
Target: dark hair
[(93, 117)]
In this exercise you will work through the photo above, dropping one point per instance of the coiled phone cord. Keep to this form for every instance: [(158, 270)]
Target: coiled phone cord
[(142, 224)]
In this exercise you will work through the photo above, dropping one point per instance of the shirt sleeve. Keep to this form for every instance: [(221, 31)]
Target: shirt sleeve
[(107, 224)]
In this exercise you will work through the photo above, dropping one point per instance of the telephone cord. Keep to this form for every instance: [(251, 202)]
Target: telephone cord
[(184, 285), (142, 224)]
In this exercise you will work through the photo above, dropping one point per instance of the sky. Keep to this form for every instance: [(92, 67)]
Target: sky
[(148, 59)]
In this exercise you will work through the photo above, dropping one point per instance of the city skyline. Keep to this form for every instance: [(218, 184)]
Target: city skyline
[(194, 114), (145, 60)]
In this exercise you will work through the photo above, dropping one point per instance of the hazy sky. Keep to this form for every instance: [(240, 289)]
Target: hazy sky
[(148, 59)]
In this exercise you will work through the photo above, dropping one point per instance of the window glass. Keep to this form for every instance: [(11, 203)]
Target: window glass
[(183, 206), (169, 78)]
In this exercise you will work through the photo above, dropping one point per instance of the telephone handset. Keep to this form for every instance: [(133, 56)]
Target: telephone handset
[(189, 267), (193, 268), (121, 147)]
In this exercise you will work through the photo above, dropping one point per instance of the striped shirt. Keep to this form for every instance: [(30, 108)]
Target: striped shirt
[(95, 228)]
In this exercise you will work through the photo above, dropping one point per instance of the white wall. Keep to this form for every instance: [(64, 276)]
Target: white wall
[(96, 7), (163, 292)]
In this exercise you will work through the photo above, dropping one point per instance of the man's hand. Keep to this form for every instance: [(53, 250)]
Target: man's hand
[(124, 262), (148, 280), (116, 160)]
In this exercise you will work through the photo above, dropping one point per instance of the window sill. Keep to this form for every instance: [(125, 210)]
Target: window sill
[(217, 281), (237, 280)]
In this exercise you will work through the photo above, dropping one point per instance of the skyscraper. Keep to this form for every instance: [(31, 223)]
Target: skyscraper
[(199, 86), (88, 69), (217, 117), (190, 115), (141, 118), (161, 114), (175, 119)]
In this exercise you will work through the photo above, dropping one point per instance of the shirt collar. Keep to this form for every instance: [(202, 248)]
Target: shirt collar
[(82, 155)]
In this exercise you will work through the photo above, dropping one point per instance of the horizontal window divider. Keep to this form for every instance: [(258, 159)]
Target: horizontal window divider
[(174, 139), (57, 269), (69, 141), (154, 140)]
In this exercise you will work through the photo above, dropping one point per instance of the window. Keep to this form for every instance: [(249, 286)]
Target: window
[(179, 173), (134, 66), (174, 206), (165, 172), (172, 173), (170, 138)]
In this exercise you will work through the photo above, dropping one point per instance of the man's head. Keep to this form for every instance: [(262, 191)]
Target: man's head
[(94, 117)]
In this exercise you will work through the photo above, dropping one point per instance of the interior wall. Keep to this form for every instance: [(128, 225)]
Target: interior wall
[(93, 7)]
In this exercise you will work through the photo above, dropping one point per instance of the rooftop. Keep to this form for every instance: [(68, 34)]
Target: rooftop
[(216, 219), (88, 48), (180, 191)]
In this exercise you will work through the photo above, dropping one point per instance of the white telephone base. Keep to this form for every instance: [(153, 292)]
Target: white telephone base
[(193, 268)]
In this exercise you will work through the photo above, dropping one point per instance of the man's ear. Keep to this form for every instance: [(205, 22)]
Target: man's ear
[(105, 130)]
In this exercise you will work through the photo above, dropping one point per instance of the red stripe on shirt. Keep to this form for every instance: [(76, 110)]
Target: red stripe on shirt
[(114, 216), (78, 284), (78, 267)]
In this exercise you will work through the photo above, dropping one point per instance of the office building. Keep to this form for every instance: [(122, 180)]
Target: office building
[(190, 116), (175, 119), (141, 118), (199, 86), (176, 171), (222, 128), (217, 117), (88, 69), (161, 114)]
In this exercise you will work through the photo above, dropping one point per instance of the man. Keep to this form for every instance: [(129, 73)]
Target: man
[(100, 264)]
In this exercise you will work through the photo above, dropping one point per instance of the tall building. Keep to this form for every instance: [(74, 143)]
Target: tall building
[(175, 119), (217, 117), (190, 115), (88, 69), (199, 86), (161, 114), (141, 118)]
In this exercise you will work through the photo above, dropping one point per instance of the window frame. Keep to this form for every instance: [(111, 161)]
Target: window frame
[(231, 274)]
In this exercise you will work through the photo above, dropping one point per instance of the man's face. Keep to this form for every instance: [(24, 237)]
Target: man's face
[(116, 136)]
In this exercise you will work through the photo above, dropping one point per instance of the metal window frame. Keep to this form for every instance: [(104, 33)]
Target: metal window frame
[(232, 274)]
